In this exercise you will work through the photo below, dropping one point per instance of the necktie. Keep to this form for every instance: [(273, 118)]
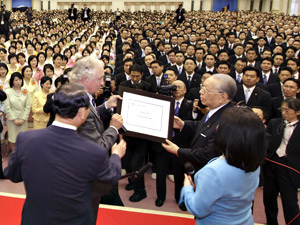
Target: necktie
[(265, 79), (251, 65), (260, 51), (179, 70), (207, 118), (94, 103), (247, 95), (189, 81), (158, 81), (288, 132), (239, 78), (276, 70), (176, 111)]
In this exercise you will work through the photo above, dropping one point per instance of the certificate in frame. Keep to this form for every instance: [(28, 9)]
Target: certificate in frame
[(146, 115)]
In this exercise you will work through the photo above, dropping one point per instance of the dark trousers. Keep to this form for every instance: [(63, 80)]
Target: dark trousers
[(134, 160), (277, 180), (164, 159)]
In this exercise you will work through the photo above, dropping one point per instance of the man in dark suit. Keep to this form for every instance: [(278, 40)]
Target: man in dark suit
[(85, 13), (124, 75), (137, 148), (157, 78), (4, 21), (72, 13), (180, 11), (210, 61), (284, 149), (290, 89), (270, 40), (250, 94), (91, 77), (237, 72), (275, 89), (216, 93), (179, 59), (189, 77), (251, 55), (238, 53), (183, 109), (268, 77), (64, 163)]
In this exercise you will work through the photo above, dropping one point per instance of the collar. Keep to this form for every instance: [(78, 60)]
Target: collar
[(213, 111), (180, 101), (251, 89), (64, 125)]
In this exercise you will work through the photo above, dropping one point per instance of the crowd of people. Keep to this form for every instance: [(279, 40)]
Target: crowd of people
[(148, 51)]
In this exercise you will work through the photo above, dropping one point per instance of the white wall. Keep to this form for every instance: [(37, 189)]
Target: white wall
[(277, 7)]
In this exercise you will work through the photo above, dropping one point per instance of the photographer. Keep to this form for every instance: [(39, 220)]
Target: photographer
[(4, 21)]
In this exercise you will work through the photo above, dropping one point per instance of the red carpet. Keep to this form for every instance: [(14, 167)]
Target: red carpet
[(11, 209)]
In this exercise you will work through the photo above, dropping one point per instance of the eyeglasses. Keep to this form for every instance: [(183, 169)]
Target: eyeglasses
[(284, 110), (204, 89)]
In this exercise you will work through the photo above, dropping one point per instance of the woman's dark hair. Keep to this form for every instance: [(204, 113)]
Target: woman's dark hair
[(24, 68), (4, 66), (56, 56), (69, 98), (62, 79), (12, 78), (241, 138), (48, 66), (292, 103), (45, 79), (41, 53)]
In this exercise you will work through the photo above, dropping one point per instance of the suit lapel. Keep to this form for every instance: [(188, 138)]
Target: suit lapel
[(93, 110)]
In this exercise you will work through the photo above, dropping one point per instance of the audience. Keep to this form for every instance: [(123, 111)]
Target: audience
[(262, 57)]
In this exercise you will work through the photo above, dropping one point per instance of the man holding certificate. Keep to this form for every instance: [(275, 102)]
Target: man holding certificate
[(216, 93)]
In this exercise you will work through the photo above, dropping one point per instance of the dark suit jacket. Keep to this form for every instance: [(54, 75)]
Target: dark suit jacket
[(259, 97), (88, 11), (275, 89), (201, 137), (195, 81), (276, 103), (120, 78), (142, 86), (74, 13), (153, 82), (58, 167), (233, 58), (203, 70), (276, 129), (272, 79)]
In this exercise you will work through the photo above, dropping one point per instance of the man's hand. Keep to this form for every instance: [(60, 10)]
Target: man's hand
[(178, 123), (119, 149), (188, 181), (116, 121), (196, 105), (170, 147), (112, 101)]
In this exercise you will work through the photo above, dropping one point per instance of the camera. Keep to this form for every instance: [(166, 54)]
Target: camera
[(165, 88), (107, 86)]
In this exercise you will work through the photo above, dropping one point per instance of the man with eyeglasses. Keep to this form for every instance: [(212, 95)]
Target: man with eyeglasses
[(216, 93), (290, 89), (251, 95)]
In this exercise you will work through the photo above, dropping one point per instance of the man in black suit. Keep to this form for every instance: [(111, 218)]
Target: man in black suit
[(216, 93), (180, 11), (72, 13), (125, 75), (183, 109), (237, 72), (284, 149), (157, 78), (269, 38), (147, 71), (140, 51), (250, 94), (136, 148), (290, 89), (278, 59), (85, 13), (251, 55), (179, 59), (4, 21), (267, 76), (238, 53), (223, 67), (65, 164), (199, 55), (275, 89), (210, 61), (189, 77)]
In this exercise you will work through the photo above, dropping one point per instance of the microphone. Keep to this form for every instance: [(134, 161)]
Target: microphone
[(122, 129), (141, 172), (189, 169)]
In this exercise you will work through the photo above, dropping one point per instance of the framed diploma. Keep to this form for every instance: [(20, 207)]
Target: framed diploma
[(146, 115)]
